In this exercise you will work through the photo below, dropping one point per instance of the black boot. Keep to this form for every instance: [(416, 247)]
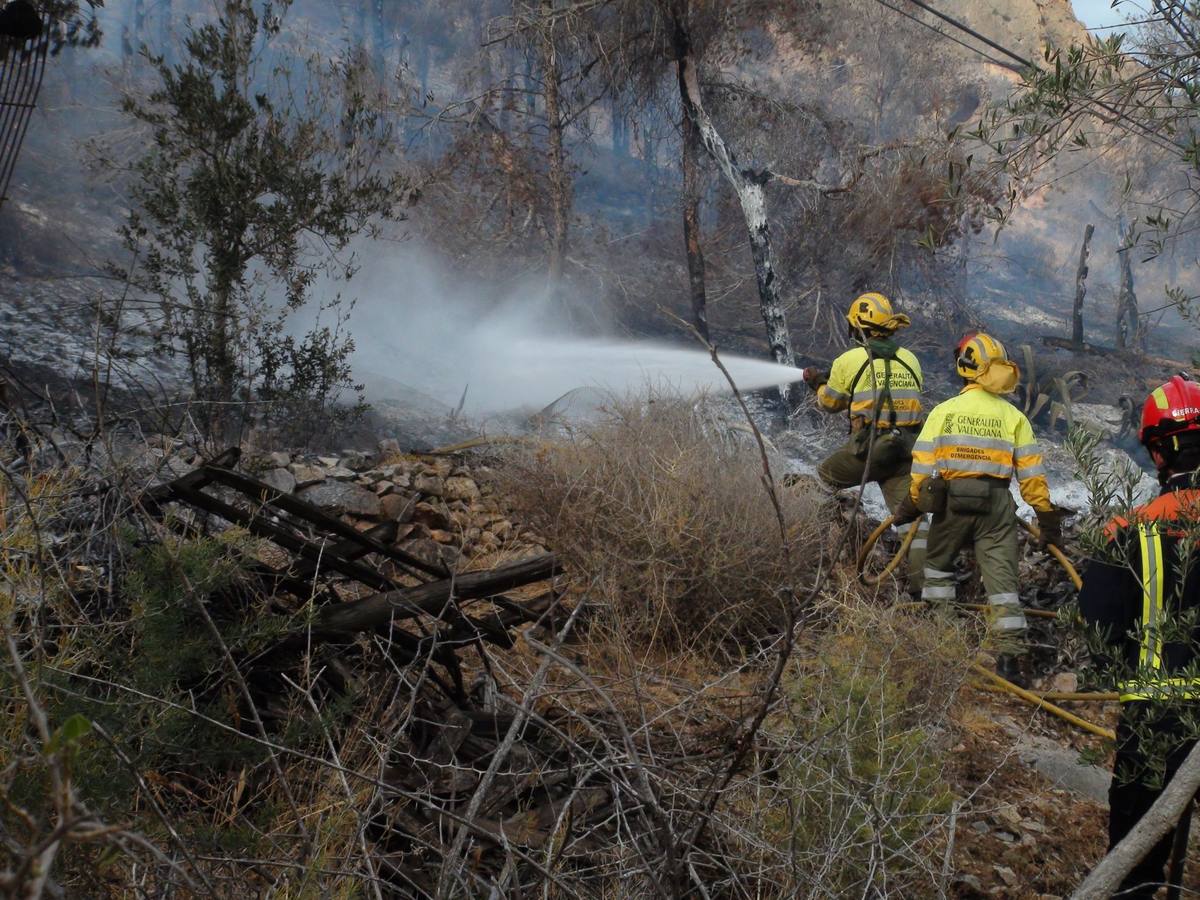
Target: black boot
[(1008, 667)]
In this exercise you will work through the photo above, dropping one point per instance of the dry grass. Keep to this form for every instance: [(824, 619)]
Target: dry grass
[(667, 524), (624, 735)]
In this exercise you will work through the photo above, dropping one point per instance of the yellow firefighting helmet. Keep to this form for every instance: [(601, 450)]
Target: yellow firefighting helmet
[(873, 312), (981, 358)]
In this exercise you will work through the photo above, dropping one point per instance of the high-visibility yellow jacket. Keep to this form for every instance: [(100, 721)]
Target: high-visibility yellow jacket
[(979, 434), (857, 384)]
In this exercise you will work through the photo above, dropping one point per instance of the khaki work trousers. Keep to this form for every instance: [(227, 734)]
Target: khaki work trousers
[(993, 533), (844, 469)]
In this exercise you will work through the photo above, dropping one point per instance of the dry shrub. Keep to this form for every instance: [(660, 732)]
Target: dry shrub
[(658, 509), (866, 804)]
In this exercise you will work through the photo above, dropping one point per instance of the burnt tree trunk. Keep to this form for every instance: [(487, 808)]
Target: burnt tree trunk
[(560, 197), (620, 127), (1159, 819), (378, 40), (750, 189), (1129, 333), (133, 34), (691, 226), (1081, 287)]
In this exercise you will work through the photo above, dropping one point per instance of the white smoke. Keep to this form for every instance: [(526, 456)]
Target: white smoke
[(417, 326)]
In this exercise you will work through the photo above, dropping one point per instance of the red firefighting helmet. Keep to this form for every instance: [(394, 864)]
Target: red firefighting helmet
[(1171, 409)]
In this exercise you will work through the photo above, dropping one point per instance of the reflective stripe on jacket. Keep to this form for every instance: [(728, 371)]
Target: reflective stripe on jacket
[(1148, 685), (978, 434), (1143, 596), (858, 386)]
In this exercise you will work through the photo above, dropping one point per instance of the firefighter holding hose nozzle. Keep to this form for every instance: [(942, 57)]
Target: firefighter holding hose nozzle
[(879, 383), (1143, 600), (964, 458)]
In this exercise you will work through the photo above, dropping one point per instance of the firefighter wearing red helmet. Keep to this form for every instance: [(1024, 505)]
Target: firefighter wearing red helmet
[(1143, 600)]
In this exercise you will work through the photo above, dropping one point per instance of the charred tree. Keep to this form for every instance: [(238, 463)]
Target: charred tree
[(691, 226), (378, 40), (620, 127), (1081, 274), (132, 36), (166, 30), (750, 189), (560, 188), (1129, 333)]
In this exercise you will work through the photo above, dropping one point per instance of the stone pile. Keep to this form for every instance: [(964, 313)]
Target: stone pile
[(445, 510)]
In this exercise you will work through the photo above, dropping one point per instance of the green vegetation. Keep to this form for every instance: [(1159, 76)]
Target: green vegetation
[(250, 192)]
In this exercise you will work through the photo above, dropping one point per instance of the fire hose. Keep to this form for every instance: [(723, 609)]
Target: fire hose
[(1000, 683), (1030, 697), (873, 538), (869, 545)]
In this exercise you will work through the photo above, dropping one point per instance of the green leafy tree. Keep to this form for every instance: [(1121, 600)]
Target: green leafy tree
[(262, 167)]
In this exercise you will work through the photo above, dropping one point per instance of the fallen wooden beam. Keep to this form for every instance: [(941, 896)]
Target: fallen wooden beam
[(259, 526), (1130, 355), (429, 599), (348, 550), (380, 610), (1063, 343), (153, 499), (309, 513)]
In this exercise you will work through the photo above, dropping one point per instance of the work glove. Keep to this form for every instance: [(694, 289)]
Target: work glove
[(906, 512), (814, 377), (1050, 525)]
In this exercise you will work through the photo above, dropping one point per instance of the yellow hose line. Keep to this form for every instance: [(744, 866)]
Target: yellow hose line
[(982, 607), (1057, 554), (869, 545), (874, 580), (1028, 610), (1030, 697), (1061, 696)]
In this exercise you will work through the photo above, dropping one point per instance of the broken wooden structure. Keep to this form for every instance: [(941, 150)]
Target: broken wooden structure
[(471, 772)]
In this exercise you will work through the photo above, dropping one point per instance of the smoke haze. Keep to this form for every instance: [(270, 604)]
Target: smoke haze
[(417, 326)]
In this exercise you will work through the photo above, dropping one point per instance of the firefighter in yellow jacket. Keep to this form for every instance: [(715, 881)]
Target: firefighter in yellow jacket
[(879, 383), (964, 458)]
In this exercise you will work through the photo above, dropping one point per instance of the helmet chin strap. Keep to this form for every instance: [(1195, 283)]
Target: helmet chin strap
[(1166, 475)]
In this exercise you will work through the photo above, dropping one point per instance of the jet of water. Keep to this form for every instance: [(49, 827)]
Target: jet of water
[(419, 328), (533, 371)]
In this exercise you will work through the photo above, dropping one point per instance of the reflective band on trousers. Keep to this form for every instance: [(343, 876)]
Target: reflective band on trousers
[(1163, 687), (1006, 608), (921, 541), (1011, 623), (937, 591)]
